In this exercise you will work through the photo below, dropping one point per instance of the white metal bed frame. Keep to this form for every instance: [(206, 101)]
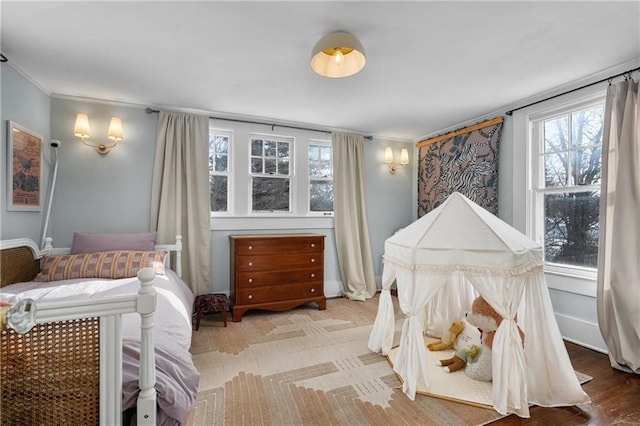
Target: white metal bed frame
[(110, 312)]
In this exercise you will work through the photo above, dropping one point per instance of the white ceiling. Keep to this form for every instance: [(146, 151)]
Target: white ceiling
[(430, 65)]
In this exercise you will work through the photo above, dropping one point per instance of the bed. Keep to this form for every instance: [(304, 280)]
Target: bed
[(97, 353)]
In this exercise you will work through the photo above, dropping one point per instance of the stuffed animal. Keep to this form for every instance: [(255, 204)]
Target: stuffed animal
[(448, 337), (459, 359), (484, 317)]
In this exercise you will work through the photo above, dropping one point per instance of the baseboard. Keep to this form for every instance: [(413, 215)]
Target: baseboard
[(581, 332)]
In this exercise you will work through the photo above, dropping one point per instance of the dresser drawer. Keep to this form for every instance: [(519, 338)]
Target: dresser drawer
[(256, 279), (281, 244), (257, 295), (277, 261)]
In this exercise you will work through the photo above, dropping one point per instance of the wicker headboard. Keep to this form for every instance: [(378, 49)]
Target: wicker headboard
[(19, 261)]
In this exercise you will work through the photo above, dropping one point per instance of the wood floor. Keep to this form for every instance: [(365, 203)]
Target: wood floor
[(615, 396)]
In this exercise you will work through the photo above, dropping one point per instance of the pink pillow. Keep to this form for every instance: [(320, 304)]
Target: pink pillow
[(92, 243), (107, 264)]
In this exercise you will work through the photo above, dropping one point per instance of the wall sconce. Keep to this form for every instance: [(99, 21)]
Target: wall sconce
[(81, 130), (388, 158)]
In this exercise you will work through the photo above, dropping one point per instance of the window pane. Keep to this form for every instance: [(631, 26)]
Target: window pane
[(270, 165), (586, 166), (325, 153), (256, 165), (571, 228), (321, 196), (218, 193), (587, 126), (270, 194), (256, 147), (222, 144), (270, 148), (283, 166), (314, 153), (283, 150), (556, 135), (221, 163), (555, 169)]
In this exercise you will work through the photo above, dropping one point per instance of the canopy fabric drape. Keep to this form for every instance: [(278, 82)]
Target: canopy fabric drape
[(618, 287), (180, 193), (487, 256), (351, 228)]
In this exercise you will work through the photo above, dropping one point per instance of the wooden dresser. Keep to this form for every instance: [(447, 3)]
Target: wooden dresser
[(276, 272)]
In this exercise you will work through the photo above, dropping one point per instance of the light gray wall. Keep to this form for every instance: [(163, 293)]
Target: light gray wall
[(28, 106), (102, 193)]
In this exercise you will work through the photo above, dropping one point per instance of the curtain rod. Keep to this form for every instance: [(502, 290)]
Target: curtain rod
[(273, 125), (510, 112), (462, 131)]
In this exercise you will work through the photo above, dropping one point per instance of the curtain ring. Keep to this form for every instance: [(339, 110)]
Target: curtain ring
[(273, 126), (610, 80)]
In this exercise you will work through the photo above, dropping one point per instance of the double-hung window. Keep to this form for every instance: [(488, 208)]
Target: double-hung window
[(219, 170), (271, 172), (320, 178), (565, 192)]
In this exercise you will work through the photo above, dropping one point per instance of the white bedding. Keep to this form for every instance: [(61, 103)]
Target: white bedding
[(177, 377)]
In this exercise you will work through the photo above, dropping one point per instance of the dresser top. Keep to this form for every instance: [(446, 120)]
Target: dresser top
[(254, 236)]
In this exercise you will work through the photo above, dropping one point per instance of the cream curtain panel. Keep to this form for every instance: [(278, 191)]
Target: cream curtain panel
[(180, 192), (351, 229), (618, 289)]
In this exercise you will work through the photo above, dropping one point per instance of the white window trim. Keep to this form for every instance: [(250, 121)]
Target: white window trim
[(559, 277)]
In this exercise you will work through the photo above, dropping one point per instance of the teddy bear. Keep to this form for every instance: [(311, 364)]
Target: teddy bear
[(448, 337), (459, 359), (484, 317)]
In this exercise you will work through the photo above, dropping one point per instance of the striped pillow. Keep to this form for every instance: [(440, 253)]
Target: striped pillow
[(106, 264)]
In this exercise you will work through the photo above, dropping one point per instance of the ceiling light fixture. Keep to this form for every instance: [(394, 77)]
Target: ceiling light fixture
[(338, 55)]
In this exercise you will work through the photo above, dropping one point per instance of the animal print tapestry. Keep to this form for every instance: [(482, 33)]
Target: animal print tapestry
[(465, 162)]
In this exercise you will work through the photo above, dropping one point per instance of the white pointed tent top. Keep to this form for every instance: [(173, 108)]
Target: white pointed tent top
[(461, 234)]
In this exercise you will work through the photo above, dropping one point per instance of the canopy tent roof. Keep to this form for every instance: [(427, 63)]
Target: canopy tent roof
[(440, 262), (461, 233)]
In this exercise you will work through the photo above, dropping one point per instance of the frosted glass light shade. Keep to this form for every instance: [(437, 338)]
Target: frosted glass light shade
[(404, 157), (115, 129), (81, 128), (388, 155), (338, 55)]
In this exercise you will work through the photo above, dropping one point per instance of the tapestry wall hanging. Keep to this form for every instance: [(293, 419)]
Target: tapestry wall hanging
[(464, 161)]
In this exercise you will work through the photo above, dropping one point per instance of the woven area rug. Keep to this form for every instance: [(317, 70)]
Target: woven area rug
[(308, 367)]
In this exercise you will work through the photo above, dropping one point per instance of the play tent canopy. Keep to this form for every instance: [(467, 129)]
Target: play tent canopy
[(440, 262)]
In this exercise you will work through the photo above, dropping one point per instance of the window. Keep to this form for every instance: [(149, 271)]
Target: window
[(566, 171), (270, 174), (219, 151), (320, 178)]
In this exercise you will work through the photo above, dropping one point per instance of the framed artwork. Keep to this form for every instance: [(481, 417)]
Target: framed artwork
[(24, 167)]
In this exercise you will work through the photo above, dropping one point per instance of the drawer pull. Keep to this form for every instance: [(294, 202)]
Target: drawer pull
[(250, 247), (313, 245), (313, 275), (313, 261), (250, 263), (250, 280), (250, 296), (313, 290)]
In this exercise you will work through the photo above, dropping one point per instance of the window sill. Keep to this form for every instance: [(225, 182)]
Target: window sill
[(571, 279)]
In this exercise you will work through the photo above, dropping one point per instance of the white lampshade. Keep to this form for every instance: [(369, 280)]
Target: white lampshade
[(338, 55), (81, 128), (404, 157), (388, 155), (115, 129)]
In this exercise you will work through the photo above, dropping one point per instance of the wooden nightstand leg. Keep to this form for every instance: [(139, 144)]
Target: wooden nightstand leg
[(224, 316)]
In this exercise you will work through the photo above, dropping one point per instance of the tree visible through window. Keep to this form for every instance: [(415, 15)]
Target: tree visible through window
[(570, 167), (320, 178), (270, 174), (219, 170)]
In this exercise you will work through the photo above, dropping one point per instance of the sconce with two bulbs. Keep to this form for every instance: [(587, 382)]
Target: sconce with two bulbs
[(388, 158), (82, 131)]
